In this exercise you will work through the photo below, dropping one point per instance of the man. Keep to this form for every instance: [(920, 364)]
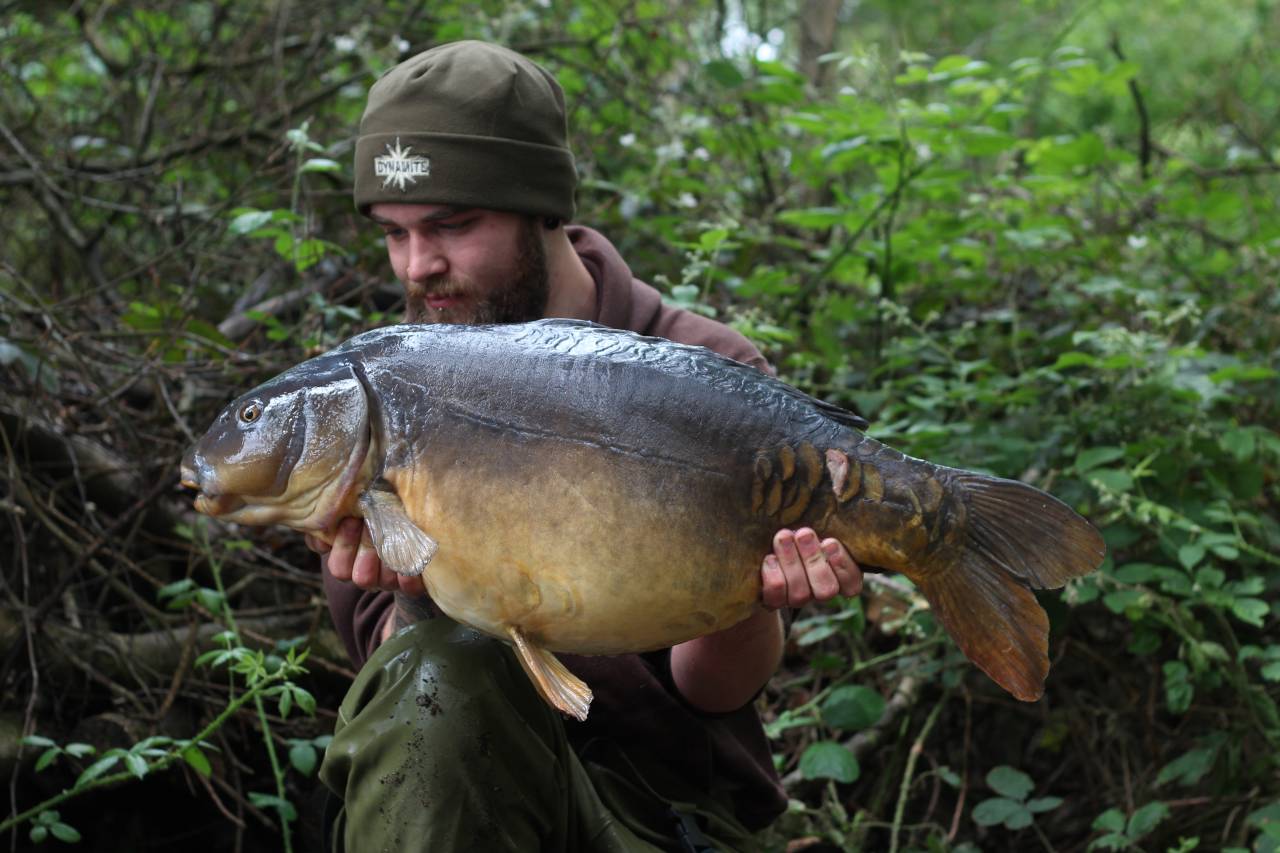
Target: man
[(441, 743)]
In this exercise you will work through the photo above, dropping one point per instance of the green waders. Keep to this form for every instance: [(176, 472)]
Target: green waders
[(442, 745)]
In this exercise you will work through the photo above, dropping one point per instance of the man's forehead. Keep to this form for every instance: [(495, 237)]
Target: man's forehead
[(398, 213)]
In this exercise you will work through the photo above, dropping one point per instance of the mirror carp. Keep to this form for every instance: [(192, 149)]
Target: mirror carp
[(573, 488)]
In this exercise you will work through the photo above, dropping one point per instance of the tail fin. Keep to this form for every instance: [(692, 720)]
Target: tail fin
[(1016, 537)]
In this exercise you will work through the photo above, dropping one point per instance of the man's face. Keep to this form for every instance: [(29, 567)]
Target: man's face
[(465, 265)]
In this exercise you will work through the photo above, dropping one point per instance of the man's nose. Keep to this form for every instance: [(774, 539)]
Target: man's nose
[(425, 259)]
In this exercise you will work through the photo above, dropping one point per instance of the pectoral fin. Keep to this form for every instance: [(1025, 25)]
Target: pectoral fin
[(401, 545), (563, 690)]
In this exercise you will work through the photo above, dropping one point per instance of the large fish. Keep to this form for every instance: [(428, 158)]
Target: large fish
[(569, 487)]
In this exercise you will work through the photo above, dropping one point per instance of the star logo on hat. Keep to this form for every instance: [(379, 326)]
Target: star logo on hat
[(397, 168)]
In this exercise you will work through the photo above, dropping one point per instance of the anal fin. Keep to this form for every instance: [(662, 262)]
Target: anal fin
[(402, 546), (561, 689)]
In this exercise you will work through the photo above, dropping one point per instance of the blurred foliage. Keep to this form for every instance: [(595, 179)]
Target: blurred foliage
[(1038, 238)]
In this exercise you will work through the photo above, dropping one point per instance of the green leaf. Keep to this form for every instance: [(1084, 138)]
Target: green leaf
[(1240, 443), (1121, 600), (321, 164), (1190, 555), (1073, 359), (853, 707), (1177, 687), (307, 253), (1266, 818), (1210, 578), (63, 832), (996, 811), (1251, 611), (37, 740), (96, 769), (1044, 804), (724, 72), (211, 599), (249, 221), (1189, 768), (1111, 841), (198, 761), (1113, 479), (1146, 819), (80, 750), (1271, 672), (817, 634), (1137, 573), (305, 700), (175, 588), (709, 241), (829, 760), (1087, 460), (39, 832), (1112, 820), (303, 757), (813, 217), (1020, 819), (47, 757), (136, 764), (1010, 782), (271, 801)]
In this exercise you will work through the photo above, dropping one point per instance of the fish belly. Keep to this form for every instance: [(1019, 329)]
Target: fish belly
[(582, 547)]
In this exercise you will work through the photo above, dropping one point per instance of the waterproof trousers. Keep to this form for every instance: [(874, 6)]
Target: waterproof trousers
[(443, 745)]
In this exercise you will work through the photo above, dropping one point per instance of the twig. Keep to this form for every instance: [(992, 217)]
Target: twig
[(912, 757), (1144, 121), (964, 768)]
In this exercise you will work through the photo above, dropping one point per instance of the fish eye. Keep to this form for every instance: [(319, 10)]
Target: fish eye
[(250, 412)]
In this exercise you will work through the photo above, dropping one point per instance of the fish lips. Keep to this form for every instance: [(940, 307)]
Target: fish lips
[(207, 501)]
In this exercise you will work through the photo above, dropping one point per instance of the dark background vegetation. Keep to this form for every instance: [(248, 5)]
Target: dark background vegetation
[(1035, 238)]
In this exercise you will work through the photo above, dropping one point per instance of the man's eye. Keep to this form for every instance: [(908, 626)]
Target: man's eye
[(453, 226), (394, 233)]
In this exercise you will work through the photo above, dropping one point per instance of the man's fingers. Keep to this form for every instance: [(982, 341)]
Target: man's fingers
[(346, 542), (412, 585), (822, 580), (315, 543), (846, 570), (786, 549), (773, 586), (366, 570), (387, 579)]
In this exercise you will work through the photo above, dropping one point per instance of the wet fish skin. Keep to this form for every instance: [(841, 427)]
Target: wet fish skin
[(598, 492)]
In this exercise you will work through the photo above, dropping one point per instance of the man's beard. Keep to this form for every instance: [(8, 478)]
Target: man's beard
[(519, 300)]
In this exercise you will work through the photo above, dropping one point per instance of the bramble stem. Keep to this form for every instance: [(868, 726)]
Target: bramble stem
[(917, 747), (160, 764)]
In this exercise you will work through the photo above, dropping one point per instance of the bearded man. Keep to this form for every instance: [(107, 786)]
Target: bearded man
[(442, 744)]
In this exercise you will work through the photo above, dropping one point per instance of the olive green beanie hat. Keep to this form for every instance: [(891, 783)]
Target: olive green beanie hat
[(467, 124)]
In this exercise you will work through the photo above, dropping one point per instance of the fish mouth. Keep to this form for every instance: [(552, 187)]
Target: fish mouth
[(209, 503), (216, 505)]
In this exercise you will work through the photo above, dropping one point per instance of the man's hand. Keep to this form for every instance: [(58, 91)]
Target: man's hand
[(722, 671), (801, 569), (351, 558)]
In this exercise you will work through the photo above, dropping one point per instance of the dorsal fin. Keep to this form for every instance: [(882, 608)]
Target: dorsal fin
[(828, 410)]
